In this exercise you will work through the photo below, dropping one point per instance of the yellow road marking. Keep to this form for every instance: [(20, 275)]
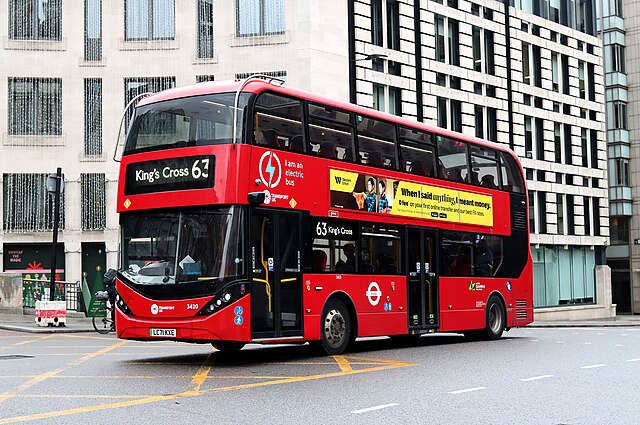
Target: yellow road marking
[(343, 363), (39, 378), (150, 377), (100, 352), (390, 364), (201, 374), (75, 396), (34, 340)]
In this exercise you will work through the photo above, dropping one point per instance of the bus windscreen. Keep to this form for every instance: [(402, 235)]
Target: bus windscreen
[(191, 121)]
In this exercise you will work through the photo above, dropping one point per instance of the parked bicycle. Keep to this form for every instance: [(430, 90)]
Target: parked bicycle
[(106, 324), (107, 298)]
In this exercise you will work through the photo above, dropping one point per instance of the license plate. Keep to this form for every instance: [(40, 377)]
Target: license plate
[(162, 333)]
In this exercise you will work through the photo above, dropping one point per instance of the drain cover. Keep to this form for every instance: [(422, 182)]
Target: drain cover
[(14, 356)]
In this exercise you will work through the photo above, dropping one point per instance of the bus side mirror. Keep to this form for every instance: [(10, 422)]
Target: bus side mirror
[(256, 198)]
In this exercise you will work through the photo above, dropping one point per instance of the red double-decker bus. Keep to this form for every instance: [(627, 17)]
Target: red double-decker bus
[(251, 212)]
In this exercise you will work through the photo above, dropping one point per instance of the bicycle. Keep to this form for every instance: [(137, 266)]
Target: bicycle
[(106, 324)]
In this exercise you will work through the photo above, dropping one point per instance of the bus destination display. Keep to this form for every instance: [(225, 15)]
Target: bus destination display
[(183, 173)]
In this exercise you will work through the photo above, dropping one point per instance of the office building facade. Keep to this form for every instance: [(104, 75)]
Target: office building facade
[(529, 75)]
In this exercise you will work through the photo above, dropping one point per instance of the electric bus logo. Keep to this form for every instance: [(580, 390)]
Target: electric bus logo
[(270, 169)]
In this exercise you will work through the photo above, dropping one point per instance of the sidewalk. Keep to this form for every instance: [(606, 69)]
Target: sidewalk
[(27, 323)]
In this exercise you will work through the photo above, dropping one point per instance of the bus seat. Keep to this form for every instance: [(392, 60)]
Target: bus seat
[(318, 261), (296, 144)]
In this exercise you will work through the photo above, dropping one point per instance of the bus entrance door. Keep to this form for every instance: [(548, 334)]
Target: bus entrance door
[(422, 279), (276, 278)]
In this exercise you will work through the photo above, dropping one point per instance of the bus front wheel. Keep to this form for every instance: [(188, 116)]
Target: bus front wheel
[(228, 346), (335, 334)]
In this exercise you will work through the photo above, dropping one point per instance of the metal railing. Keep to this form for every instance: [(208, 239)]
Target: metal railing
[(37, 290)]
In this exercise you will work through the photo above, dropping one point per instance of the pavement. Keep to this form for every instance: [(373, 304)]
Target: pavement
[(76, 322)]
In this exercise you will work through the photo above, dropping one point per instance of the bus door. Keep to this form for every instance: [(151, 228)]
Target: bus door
[(422, 279), (276, 278)]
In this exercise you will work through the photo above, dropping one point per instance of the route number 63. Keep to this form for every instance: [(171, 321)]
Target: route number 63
[(321, 228), (197, 172)]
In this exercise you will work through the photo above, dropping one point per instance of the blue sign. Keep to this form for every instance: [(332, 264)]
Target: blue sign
[(238, 310), (238, 320), (508, 286)]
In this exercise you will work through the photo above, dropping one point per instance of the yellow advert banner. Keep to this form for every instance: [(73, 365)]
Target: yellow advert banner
[(343, 181), (437, 203)]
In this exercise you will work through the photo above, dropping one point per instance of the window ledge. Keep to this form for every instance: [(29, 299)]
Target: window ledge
[(55, 45), (83, 63), (92, 158), (32, 140), (260, 40), (129, 45), (205, 61)]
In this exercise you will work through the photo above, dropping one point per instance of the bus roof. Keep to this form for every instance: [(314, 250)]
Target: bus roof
[(260, 85)]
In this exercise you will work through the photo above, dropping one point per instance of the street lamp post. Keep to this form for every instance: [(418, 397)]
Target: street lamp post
[(55, 186)]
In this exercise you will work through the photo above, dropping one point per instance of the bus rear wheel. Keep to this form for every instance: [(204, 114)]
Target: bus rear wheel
[(335, 332), (228, 346), (496, 319)]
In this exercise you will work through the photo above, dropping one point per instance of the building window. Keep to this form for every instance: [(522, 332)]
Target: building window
[(554, 11), (35, 20), (204, 78), (395, 101), (615, 8), (619, 172), (581, 84), (568, 148), (442, 112), (555, 74), (528, 137), (149, 20), (616, 58), (619, 115), (492, 124), (477, 49), (28, 207), (479, 115), (542, 212), (571, 224), (440, 50), (537, 66), (565, 73), (593, 141), (587, 215), (454, 43), (260, 17), (93, 30), (591, 82), (560, 213), (489, 53), (557, 141), (205, 29), (619, 229), (526, 63), (540, 138), (532, 212), (93, 116), (596, 216), (281, 75), (93, 195), (35, 106), (456, 115), (584, 147)]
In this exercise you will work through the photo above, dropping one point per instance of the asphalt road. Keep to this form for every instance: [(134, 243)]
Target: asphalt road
[(531, 376)]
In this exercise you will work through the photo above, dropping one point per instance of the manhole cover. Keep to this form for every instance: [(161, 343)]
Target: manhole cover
[(14, 356)]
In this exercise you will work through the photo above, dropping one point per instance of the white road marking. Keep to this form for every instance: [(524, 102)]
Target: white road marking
[(634, 360), (619, 345), (600, 333), (593, 366), (371, 409), (535, 378), (467, 390), (534, 340), (587, 343), (624, 334), (560, 342)]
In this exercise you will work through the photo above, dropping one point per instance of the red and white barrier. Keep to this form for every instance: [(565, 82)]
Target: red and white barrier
[(51, 313)]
